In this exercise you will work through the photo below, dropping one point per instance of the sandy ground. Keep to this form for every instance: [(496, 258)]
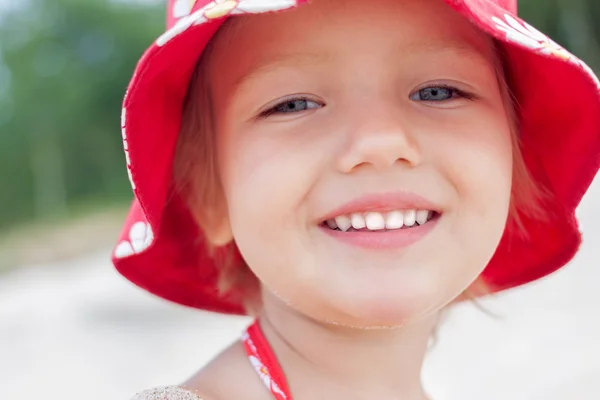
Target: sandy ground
[(76, 330)]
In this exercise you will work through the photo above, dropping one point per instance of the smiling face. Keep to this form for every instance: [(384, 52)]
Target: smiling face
[(338, 123)]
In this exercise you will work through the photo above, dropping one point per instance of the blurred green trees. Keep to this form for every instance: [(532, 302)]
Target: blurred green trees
[(65, 64), (64, 67)]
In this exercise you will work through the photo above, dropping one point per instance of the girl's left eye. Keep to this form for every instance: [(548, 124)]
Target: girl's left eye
[(437, 94), (290, 106)]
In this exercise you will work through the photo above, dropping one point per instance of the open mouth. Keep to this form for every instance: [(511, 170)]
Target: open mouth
[(372, 221)]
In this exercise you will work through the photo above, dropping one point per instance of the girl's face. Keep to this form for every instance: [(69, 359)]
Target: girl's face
[(362, 112)]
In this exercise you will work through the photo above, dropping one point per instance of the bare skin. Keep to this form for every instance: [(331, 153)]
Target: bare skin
[(349, 323)]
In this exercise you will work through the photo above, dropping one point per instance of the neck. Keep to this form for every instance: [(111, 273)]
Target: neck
[(327, 361)]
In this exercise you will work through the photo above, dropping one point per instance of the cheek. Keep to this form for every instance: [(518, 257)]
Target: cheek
[(267, 177), (477, 161), (269, 169)]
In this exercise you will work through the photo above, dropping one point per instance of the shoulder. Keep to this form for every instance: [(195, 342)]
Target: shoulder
[(228, 376), (169, 393)]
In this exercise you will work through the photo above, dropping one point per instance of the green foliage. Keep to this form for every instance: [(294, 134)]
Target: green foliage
[(64, 67), (575, 24)]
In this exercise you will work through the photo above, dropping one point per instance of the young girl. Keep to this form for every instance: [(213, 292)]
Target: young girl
[(344, 170)]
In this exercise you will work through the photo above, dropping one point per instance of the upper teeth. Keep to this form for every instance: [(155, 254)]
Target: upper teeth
[(375, 221)]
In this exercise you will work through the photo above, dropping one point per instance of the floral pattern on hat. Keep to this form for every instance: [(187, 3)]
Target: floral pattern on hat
[(221, 8), (260, 6), (125, 146), (522, 33), (181, 8), (140, 238)]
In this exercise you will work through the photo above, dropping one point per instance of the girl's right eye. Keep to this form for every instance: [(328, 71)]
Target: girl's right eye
[(290, 106)]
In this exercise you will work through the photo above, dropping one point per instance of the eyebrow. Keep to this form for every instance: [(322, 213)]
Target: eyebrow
[(456, 47), (279, 60)]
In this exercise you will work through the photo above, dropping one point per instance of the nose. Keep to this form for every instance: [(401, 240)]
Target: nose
[(379, 140)]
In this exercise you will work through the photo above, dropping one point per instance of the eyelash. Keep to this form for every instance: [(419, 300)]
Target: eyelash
[(456, 93), (292, 99)]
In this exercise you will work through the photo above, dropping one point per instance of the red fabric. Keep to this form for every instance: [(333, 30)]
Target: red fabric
[(265, 362), (162, 251)]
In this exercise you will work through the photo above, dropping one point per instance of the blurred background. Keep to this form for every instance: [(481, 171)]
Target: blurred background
[(71, 328)]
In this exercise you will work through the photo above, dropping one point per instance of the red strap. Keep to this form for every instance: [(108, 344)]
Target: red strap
[(265, 363)]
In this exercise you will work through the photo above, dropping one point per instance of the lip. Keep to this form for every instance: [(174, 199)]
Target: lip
[(383, 202)]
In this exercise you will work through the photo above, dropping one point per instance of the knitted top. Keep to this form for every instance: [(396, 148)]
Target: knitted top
[(167, 393)]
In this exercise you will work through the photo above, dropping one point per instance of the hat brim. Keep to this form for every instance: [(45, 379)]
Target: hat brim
[(161, 249)]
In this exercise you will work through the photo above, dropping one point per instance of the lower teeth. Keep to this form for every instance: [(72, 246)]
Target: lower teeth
[(378, 230)]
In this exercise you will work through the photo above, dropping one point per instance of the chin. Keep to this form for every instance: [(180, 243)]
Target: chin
[(380, 310)]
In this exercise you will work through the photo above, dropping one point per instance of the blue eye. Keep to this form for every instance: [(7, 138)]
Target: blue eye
[(437, 94), (291, 106)]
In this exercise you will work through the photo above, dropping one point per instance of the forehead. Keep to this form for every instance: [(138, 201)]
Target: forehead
[(327, 30)]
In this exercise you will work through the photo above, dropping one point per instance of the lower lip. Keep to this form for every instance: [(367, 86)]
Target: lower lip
[(391, 239)]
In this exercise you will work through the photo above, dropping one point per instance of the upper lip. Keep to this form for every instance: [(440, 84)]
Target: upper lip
[(383, 202)]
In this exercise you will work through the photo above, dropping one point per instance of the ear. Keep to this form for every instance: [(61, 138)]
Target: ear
[(222, 235), (218, 229)]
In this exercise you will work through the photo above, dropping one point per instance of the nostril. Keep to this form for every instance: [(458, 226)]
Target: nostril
[(360, 166)]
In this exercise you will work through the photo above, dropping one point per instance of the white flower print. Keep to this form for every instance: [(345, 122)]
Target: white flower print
[(260, 6), (524, 34), (260, 368), (181, 8), (220, 8), (263, 372), (140, 238), (126, 147), (181, 26)]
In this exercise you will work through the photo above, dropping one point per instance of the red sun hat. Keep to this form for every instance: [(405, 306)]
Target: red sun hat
[(162, 250)]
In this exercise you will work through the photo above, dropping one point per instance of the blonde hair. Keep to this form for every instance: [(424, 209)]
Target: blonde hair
[(197, 180)]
